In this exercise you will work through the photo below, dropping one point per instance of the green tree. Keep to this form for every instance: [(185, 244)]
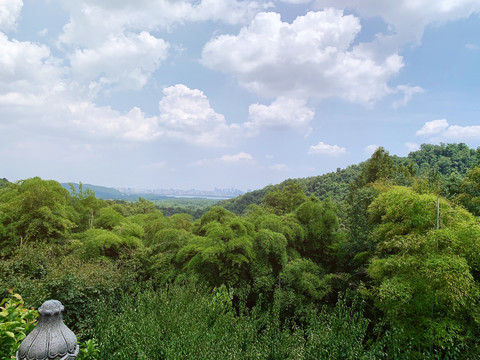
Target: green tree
[(321, 225), (285, 200), (469, 195), (379, 166), (35, 210), (108, 218), (423, 278), (86, 206)]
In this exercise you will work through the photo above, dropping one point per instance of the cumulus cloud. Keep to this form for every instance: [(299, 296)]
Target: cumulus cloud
[(9, 14), (110, 43), (283, 113), (433, 127), (407, 19), (186, 114), (92, 22), (312, 56), (102, 122), (325, 149), (439, 130), (28, 72), (126, 59)]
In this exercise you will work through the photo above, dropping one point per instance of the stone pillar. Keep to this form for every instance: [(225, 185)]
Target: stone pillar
[(51, 338)]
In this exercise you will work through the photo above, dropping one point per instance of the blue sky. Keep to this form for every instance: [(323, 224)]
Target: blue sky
[(229, 93)]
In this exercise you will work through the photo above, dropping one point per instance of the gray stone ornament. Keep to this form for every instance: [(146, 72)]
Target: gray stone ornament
[(51, 338)]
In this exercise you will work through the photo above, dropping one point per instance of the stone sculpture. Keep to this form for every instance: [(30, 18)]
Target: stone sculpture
[(51, 338)]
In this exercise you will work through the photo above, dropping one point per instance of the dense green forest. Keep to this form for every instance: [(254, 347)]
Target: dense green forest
[(380, 260), (446, 161)]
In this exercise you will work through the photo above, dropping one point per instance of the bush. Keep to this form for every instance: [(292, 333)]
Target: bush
[(16, 321)]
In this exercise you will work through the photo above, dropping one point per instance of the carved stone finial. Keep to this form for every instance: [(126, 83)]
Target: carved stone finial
[(51, 338)]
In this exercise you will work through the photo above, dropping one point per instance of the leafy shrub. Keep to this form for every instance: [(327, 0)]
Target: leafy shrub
[(189, 322), (88, 350), (16, 321)]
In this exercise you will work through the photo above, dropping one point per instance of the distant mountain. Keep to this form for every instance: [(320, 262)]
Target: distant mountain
[(131, 194), (101, 192), (216, 193)]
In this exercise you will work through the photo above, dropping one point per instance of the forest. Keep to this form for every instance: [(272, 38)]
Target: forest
[(380, 260)]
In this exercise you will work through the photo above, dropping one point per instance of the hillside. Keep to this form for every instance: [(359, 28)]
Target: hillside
[(443, 159), (101, 192)]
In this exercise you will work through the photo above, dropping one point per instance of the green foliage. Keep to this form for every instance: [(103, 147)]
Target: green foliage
[(286, 199), (191, 206), (34, 210), (85, 205), (379, 166), (444, 158), (190, 323), (88, 350), (469, 195), (100, 242), (16, 321), (424, 278), (108, 218), (321, 224), (3, 183), (271, 250), (301, 288)]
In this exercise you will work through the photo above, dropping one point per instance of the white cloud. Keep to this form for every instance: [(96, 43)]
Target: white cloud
[(407, 19), (462, 132), (92, 22), (10, 11), (370, 149), (186, 114), (240, 157), (471, 47), (126, 59), (440, 130), (325, 149), (28, 72), (111, 43), (279, 167), (102, 122), (433, 127), (312, 56), (283, 113), (412, 146)]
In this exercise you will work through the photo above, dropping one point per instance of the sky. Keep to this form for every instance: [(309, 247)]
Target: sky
[(230, 93)]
